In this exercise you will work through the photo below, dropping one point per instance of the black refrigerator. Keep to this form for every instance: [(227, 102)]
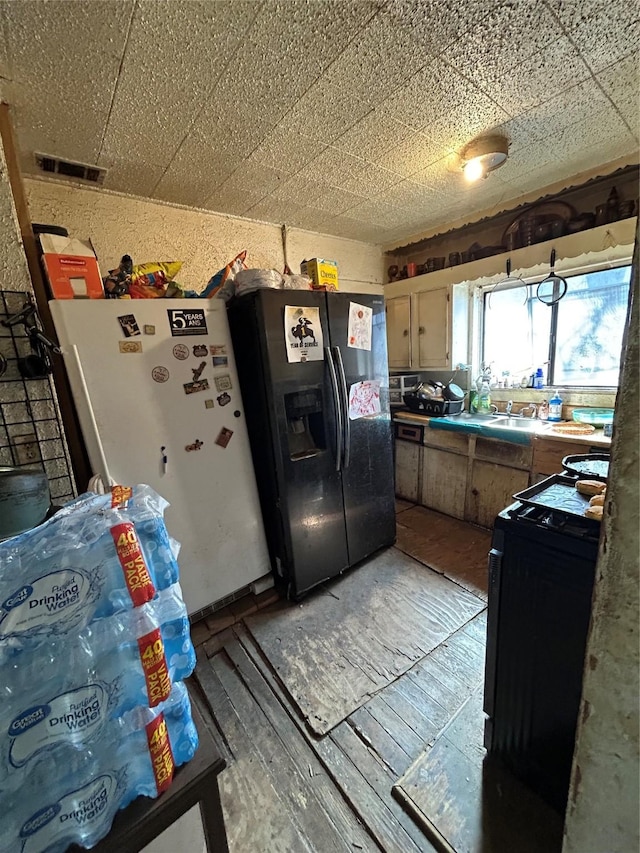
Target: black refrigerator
[(324, 472)]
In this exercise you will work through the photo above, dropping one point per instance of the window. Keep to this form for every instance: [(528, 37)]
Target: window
[(578, 340)]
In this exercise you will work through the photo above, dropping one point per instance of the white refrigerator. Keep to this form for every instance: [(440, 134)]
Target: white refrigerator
[(157, 394)]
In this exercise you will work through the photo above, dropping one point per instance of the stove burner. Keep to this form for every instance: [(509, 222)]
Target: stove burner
[(559, 522)]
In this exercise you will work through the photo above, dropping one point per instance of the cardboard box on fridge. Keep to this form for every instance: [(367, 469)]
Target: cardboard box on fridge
[(323, 273), (71, 267)]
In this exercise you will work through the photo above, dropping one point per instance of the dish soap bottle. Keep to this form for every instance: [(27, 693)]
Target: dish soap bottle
[(484, 396), (555, 408)]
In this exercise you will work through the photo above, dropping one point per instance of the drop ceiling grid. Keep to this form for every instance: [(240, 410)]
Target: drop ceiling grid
[(345, 116)]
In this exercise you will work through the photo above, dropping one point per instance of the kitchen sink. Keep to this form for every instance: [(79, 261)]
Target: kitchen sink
[(526, 424), (476, 418)]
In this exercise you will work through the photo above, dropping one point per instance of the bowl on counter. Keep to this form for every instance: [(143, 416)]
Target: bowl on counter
[(595, 417)]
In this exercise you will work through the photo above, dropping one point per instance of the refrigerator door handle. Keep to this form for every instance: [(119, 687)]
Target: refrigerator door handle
[(345, 403), (337, 406), (106, 479)]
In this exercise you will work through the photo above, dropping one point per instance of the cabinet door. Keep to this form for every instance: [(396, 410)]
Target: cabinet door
[(407, 470), (444, 481), (433, 321), (399, 331), (491, 490)]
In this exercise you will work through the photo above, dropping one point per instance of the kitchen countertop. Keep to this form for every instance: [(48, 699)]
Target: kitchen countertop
[(514, 436)]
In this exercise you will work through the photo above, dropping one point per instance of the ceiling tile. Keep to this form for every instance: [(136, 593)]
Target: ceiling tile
[(540, 77), (621, 82), (64, 60), (245, 187), (581, 136), (322, 30), (154, 107), (410, 196), (567, 108), (289, 146), (604, 31), (411, 154), (437, 25), (445, 176), (349, 173), (378, 61), (508, 34), (372, 136)]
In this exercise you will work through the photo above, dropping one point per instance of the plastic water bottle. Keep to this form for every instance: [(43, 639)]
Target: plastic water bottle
[(538, 381), (76, 801), (88, 561), (555, 408)]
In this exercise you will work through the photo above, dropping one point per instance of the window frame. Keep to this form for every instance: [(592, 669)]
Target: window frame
[(482, 290)]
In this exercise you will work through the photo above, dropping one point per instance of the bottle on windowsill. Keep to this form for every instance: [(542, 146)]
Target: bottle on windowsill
[(543, 411)]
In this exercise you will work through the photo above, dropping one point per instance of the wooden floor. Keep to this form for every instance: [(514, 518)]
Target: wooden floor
[(354, 788)]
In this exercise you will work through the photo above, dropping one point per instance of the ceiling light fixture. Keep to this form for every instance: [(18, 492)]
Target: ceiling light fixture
[(484, 155)]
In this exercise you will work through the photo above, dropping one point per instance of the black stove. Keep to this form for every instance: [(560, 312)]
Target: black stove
[(541, 574)]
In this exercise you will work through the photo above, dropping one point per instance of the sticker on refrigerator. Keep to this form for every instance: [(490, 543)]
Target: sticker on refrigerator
[(359, 328), (208, 404), (130, 346), (148, 329), (194, 387), (364, 399), (223, 399), (220, 361), (187, 321), (159, 374), (129, 325), (200, 350), (218, 349), (197, 371), (223, 383), (181, 352), (303, 333), (224, 437), (197, 444)]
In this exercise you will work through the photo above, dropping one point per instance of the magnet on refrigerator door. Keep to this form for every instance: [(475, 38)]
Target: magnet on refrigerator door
[(197, 371), (223, 383), (159, 374), (129, 325), (197, 444), (208, 404), (130, 346), (199, 350), (224, 437), (218, 349), (223, 399), (181, 352), (194, 387), (220, 361), (148, 329)]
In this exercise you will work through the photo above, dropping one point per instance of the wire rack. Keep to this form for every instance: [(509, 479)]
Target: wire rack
[(31, 431)]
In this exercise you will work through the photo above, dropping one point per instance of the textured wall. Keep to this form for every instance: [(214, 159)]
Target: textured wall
[(602, 815), (13, 263), (205, 242), (27, 408)]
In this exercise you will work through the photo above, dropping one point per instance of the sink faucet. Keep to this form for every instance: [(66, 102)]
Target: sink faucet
[(509, 407), (532, 407)]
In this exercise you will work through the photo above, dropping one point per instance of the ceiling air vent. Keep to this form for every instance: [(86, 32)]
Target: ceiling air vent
[(69, 169)]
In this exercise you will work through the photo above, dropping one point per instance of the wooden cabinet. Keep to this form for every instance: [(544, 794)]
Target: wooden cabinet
[(408, 470), (444, 481), (433, 327), (398, 312), (491, 489), (429, 329), (548, 454)]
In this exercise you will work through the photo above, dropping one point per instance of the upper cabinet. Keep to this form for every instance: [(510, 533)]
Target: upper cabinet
[(428, 330), (399, 331)]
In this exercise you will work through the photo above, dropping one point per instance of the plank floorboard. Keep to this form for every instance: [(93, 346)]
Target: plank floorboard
[(333, 652), (467, 803), (289, 778), (449, 546), (366, 786), (402, 505), (299, 749), (376, 736), (247, 788)]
